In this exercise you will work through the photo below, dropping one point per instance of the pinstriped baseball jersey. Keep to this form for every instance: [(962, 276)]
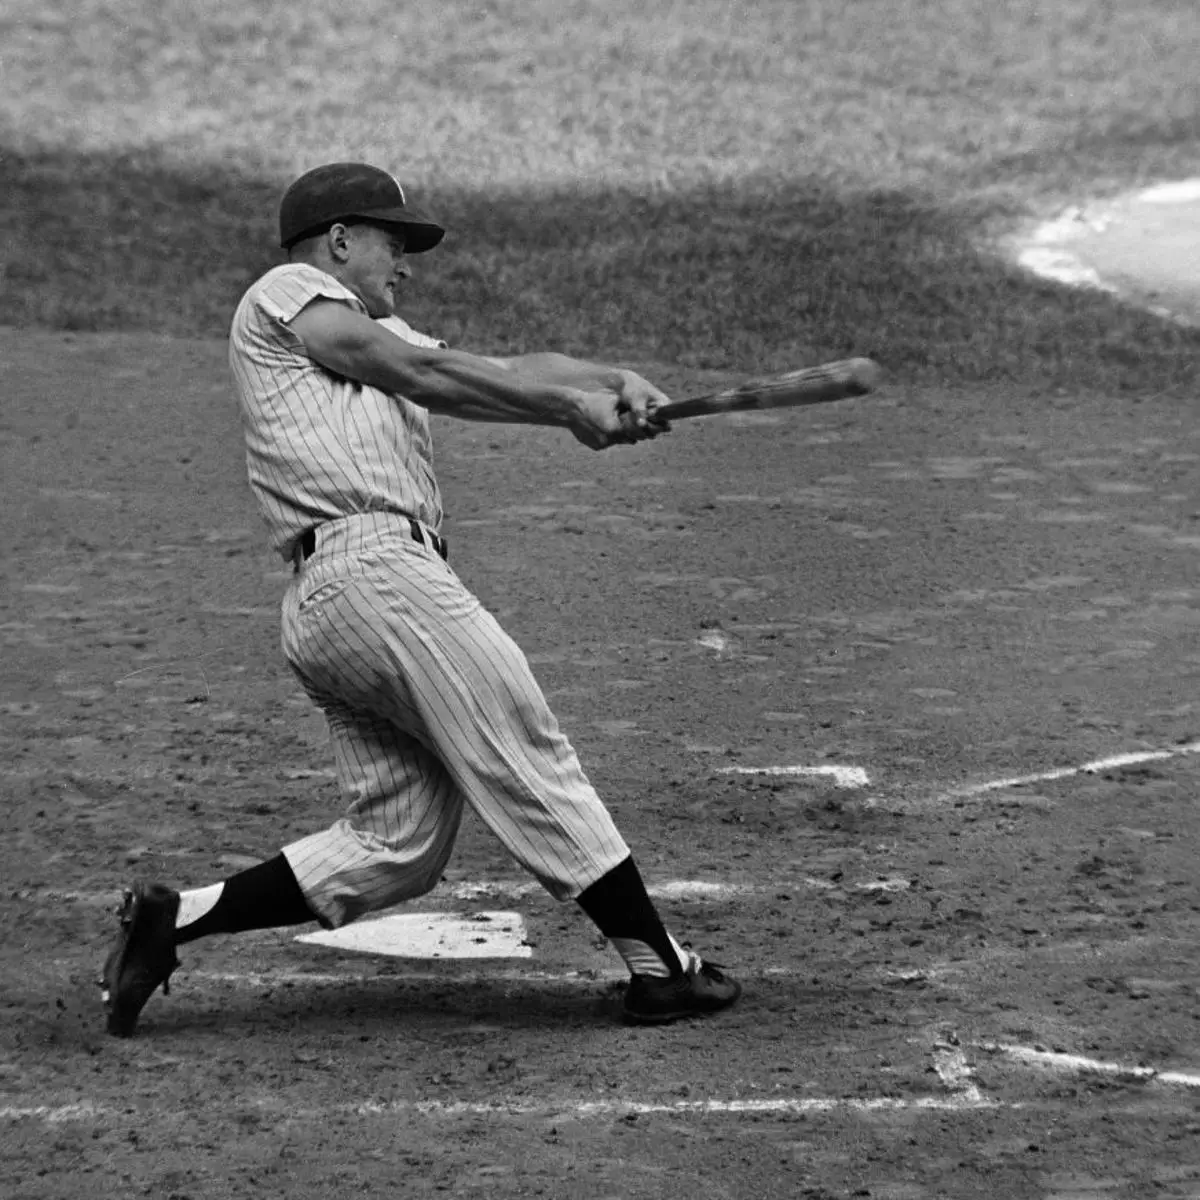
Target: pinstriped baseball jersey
[(430, 704), (318, 446)]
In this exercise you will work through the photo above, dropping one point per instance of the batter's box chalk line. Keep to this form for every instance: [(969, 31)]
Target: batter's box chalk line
[(843, 777), (672, 889), (961, 1094), (1077, 1064), (564, 1109), (1095, 767)]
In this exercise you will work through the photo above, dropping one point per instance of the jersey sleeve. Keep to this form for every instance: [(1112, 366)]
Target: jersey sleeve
[(284, 293), (402, 329)]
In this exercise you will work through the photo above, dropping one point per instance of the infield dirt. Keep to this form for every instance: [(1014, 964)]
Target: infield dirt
[(935, 587)]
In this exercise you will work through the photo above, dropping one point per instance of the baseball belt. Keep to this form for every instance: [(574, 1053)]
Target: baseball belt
[(306, 545)]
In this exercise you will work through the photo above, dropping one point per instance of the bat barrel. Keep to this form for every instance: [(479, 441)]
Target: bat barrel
[(830, 381)]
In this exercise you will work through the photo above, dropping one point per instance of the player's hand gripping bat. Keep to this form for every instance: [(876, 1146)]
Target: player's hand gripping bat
[(791, 389)]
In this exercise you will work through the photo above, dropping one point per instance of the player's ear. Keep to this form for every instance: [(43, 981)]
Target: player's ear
[(337, 238)]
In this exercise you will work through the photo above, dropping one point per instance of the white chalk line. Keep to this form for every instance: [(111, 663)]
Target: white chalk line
[(782, 1106), (56, 1114), (1078, 1064), (843, 777), (1095, 767), (949, 1061), (950, 1064), (717, 641), (857, 777), (672, 889), (1077, 951)]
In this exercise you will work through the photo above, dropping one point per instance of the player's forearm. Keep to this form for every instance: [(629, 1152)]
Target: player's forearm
[(477, 389), (565, 371)]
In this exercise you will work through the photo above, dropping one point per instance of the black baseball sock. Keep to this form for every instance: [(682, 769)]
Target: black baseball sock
[(264, 896), (625, 914)]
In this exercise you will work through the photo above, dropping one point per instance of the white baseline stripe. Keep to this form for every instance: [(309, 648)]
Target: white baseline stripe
[(53, 1115), (672, 889), (845, 777), (1077, 1064), (1088, 768), (567, 1108), (784, 1106)]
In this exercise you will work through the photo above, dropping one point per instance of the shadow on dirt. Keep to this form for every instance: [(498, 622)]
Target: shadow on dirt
[(382, 1007), (752, 278), (71, 1016)]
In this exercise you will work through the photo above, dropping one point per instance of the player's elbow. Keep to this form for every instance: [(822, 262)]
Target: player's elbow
[(368, 360), (421, 378)]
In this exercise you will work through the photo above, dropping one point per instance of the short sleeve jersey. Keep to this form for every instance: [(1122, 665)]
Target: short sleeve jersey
[(318, 446)]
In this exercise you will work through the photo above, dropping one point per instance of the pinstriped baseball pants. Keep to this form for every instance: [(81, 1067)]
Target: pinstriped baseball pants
[(430, 705)]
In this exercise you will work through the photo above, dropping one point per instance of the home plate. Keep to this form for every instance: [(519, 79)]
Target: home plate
[(431, 935)]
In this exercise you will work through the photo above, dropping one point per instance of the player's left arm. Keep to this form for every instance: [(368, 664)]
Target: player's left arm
[(638, 397)]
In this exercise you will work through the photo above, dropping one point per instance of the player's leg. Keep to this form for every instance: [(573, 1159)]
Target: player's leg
[(403, 814), (460, 679)]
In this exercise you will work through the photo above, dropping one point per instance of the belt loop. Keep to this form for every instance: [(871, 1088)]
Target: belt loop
[(433, 542), (304, 547)]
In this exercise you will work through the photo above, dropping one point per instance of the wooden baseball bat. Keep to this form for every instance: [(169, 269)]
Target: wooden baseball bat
[(790, 389)]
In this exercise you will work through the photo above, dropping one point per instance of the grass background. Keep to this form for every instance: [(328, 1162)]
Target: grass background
[(744, 186)]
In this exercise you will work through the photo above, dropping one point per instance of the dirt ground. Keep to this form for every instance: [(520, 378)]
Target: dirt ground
[(940, 589)]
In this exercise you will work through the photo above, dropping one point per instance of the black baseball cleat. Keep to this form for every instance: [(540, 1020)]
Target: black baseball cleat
[(143, 956), (702, 989)]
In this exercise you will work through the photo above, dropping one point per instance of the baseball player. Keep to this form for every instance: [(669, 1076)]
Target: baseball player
[(430, 704)]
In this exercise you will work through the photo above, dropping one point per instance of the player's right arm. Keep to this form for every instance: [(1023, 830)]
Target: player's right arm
[(452, 382)]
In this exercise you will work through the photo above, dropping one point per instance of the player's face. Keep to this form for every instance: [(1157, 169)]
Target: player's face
[(376, 266)]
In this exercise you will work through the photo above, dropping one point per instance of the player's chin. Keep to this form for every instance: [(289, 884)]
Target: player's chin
[(382, 305)]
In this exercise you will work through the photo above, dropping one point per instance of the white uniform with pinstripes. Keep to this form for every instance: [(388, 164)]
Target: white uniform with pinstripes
[(429, 702)]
